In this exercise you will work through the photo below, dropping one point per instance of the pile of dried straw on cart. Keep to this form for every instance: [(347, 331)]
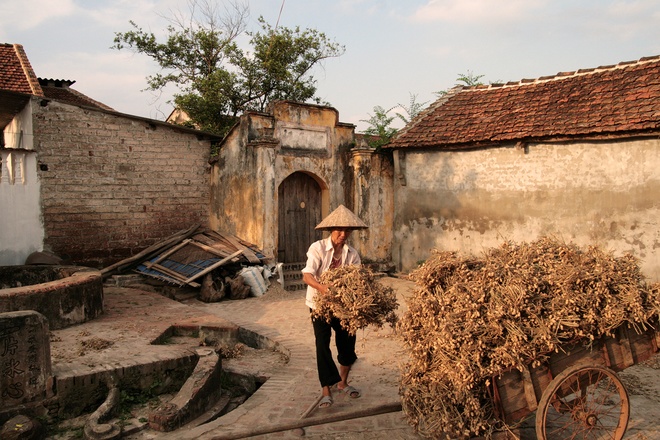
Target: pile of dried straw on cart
[(357, 298), (473, 318)]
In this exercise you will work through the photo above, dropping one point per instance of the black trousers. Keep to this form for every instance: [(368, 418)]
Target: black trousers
[(345, 343)]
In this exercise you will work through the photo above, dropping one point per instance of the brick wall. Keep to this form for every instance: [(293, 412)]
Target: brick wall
[(112, 185)]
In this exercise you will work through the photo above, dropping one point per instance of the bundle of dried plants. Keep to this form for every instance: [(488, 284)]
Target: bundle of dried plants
[(471, 319), (356, 298)]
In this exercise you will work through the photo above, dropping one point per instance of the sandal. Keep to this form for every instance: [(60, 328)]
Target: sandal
[(325, 402), (351, 391)]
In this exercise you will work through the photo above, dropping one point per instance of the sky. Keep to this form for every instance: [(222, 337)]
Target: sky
[(396, 50)]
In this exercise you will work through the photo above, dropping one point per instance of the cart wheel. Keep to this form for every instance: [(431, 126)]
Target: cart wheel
[(583, 402)]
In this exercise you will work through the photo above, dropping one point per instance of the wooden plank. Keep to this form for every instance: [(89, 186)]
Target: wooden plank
[(626, 351), (219, 239), (644, 345), (497, 401), (528, 386), (214, 243), (606, 354), (174, 274), (574, 354), (219, 253), (511, 395), (168, 253), (107, 271), (247, 252), (541, 378), (212, 267), (227, 243)]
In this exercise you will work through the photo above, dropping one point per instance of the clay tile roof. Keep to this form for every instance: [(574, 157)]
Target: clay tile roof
[(608, 100), (16, 74), (60, 90)]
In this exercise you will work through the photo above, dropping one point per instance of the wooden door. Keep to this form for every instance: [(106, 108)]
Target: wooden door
[(299, 198)]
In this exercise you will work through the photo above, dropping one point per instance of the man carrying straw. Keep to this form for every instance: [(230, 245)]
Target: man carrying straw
[(322, 255)]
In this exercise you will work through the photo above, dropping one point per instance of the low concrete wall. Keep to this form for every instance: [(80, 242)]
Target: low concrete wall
[(65, 295), (83, 393)]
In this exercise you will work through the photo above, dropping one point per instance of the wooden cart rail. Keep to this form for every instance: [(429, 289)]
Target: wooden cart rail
[(516, 394)]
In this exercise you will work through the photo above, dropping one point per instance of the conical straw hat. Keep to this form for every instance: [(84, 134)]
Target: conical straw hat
[(342, 217)]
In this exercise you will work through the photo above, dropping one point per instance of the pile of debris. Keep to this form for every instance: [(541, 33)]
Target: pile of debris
[(218, 264), (474, 318)]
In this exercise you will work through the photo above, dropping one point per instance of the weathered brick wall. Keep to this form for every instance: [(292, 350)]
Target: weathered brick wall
[(112, 185)]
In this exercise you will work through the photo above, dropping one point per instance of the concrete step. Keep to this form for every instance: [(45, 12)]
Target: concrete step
[(196, 397), (292, 276)]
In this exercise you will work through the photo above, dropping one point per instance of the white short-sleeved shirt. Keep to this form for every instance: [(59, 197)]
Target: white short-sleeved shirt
[(319, 258)]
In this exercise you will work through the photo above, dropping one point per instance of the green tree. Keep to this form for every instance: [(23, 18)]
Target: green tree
[(464, 79), (215, 78), (412, 110), (470, 79), (279, 67), (380, 130)]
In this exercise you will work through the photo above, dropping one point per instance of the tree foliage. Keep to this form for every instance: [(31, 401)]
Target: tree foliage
[(470, 79), (217, 80), (380, 124), (412, 110), (380, 130), (464, 79)]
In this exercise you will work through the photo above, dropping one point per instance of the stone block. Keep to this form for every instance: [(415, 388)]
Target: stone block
[(25, 365)]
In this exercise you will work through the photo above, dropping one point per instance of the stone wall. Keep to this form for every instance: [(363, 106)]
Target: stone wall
[(112, 185), (26, 377), (374, 202), (265, 149), (591, 193)]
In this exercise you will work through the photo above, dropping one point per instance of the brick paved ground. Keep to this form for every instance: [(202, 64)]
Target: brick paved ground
[(294, 388), (133, 318)]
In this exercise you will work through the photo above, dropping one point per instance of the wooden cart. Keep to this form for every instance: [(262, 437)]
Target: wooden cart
[(576, 393)]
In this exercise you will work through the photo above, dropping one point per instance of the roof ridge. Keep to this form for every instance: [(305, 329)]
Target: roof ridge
[(87, 98), (32, 79), (72, 96), (565, 75)]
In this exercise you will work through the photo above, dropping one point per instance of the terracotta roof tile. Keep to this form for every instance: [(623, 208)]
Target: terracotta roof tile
[(601, 101), (16, 74), (60, 90)]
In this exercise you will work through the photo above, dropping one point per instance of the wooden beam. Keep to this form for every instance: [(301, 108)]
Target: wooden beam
[(214, 251), (167, 254), (107, 271), (210, 268), (247, 252), (174, 274), (528, 387)]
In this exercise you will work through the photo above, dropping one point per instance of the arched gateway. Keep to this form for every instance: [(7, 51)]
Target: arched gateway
[(299, 211)]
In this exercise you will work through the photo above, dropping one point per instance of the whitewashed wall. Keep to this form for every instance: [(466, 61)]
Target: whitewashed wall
[(21, 225), (600, 193)]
